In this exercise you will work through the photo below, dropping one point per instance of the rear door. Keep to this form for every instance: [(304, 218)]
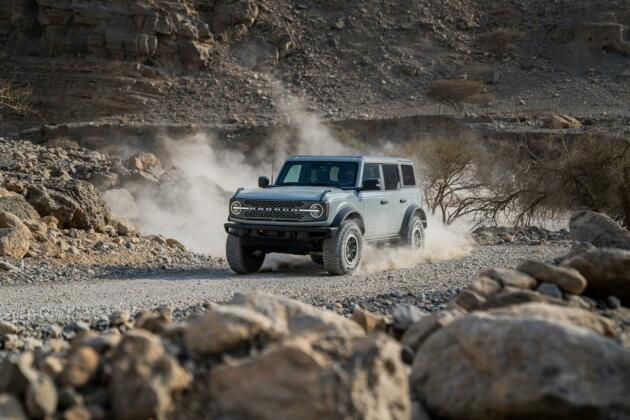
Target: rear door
[(394, 198), (375, 213)]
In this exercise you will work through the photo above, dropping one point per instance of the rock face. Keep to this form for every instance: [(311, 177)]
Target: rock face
[(15, 237), (314, 377), (165, 34), (17, 205), (598, 229), (607, 272), (563, 371), (75, 204)]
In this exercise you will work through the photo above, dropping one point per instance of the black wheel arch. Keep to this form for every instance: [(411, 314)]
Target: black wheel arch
[(348, 213), (409, 213)]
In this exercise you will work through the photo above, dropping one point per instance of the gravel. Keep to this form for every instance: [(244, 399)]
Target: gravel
[(427, 285)]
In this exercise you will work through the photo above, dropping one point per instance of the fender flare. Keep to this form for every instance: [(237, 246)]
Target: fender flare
[(346, 213), (409, 213)]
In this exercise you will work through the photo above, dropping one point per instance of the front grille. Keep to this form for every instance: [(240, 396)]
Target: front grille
[(274, 210)]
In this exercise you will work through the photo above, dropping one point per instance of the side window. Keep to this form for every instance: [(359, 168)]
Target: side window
[(293, 175), (371, 170), (409, 178), (390, 173)]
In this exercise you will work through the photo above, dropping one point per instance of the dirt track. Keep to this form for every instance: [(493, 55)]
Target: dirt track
[(46, 303)]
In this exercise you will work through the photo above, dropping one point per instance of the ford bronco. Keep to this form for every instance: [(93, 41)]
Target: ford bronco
[(325, 207)]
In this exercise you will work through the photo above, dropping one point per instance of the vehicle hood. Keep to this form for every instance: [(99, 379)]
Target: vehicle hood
[(285, 193)]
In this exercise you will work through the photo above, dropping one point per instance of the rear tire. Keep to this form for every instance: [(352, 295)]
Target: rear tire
[(342, 252), (241, 260), (317, 259), (414, 237)]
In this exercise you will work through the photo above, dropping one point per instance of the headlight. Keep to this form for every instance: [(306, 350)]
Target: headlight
[(235, 208), (316, 211)]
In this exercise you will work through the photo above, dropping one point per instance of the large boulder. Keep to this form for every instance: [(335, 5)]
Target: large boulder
[(17, 205), (498, 367), (316, 376), (75, 204), (229, 13), (566, 278), (607, 272), (10, 408), (598, 229), (15, 237), (144, 377), (295, 317)]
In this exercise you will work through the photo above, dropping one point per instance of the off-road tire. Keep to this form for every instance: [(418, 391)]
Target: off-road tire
[(414, 233), (239, 259), (317, 259), (336, 259)]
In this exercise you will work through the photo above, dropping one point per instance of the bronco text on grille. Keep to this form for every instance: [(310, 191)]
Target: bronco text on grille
[(275, 210)]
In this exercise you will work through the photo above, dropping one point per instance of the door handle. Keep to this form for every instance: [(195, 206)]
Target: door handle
[(384, 201), (403, 200)]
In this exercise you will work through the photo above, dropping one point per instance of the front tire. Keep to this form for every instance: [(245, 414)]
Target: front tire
[(414, 237), (342, 252), (239, 258)]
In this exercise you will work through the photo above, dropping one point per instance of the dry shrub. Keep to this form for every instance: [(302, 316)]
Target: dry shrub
[(64, 143), (525, 181), (15, 98), (499, 41), (455, 93)]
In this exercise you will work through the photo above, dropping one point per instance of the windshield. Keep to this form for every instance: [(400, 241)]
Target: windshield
[(334, 174)]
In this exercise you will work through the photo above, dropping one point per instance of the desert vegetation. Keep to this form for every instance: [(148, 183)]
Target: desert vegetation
[(455, 93), (15, 98), (524, 180)]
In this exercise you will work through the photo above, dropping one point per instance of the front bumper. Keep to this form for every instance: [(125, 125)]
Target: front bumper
[(283, 239)]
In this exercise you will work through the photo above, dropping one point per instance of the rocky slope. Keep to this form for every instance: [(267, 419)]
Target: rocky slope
[(218, 62)]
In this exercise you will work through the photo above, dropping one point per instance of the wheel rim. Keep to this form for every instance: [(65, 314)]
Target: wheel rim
[(351, 252), (418, 237)]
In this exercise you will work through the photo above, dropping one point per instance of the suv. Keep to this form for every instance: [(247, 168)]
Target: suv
[(325, 207)]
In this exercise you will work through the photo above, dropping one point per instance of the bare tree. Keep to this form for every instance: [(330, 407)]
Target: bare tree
[(15, 98)]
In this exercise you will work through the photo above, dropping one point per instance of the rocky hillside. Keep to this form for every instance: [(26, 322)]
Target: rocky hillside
[(219, 61)]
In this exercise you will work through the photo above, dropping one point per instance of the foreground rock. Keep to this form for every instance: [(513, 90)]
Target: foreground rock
[(15, 237), (607, 272), (314, 377), (563, 371), (598, 229)]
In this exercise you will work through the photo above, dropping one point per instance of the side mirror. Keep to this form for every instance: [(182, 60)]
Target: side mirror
[(263, 182), (371, 184)]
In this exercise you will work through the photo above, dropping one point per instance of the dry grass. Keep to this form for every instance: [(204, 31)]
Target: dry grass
[(455, 93)]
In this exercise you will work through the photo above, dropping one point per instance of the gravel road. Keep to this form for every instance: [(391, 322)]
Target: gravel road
[(46, 303)]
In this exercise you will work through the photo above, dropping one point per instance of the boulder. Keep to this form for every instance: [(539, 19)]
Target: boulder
[(227, 328), (229, 13), (10, 408), (485, 286), (405, 315), (607, 272), (15, 237), (467, 370), (16, 373), (561, 314), (562, 121), (17, 205), (517, 297), (41, 397), (81, 366), (144, 162), (369, 321), (75, 204), (296, 317), (568, 279), (598, 229), (104, 181), (421, 330), (512, 278), (316, 376), (8, 328), (141, 368)]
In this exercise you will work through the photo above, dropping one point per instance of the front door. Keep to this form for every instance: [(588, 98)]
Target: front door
[(374, 204)]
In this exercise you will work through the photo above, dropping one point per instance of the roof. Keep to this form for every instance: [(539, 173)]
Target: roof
[(356, 158)]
